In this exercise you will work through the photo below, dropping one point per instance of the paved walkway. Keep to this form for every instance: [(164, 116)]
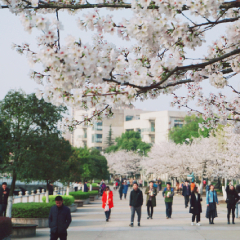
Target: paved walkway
[(89, 223)]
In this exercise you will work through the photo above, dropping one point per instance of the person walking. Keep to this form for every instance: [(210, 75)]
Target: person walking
[(75, 185), (186, 192), (107, 202), (232, 199), (85, 187), (177, 187), (168, 194), (120, 190), (193, 185), (59, 220), (195, 206), (160, 184), (135, 203), (103, 186), (151, 199), (4, 193), (211, 200), (125, 189)]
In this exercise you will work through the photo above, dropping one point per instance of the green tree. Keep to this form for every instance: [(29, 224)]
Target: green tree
[(24, 117), (130, 141), (110, 140), (189, 130)]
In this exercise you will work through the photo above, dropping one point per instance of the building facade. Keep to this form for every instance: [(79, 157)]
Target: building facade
[(153, 126)]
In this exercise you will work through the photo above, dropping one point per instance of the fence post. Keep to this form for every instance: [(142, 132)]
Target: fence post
[(55, 191), (38, 195), (44, 194), (20, 196), (33, 196), (27, 195)]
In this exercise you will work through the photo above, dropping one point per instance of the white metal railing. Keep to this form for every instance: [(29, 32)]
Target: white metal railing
[(37, 197)]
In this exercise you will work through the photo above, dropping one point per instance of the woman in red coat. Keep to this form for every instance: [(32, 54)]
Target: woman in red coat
[(107, 202)]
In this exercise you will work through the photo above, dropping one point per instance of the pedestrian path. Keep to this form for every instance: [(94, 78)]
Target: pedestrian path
[(89, 223)]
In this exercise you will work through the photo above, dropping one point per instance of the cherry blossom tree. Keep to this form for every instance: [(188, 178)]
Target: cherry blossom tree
[(123, 162), (104, 75)]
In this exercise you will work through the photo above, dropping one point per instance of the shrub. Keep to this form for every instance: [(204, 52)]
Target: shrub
[(83, 195), (93, 184), (5, 227), (31, 210), (67, 200)]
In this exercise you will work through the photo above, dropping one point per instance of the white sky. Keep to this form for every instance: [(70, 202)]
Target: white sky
[(14, 68)]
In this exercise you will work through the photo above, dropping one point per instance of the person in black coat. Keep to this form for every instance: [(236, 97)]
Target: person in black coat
[(186, 192), (120, 190), (232, 199), (59, 220), (4, 193), (195, 206), (85, 187)]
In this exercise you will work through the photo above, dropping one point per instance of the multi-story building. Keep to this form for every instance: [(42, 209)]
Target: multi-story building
[(153, 126)]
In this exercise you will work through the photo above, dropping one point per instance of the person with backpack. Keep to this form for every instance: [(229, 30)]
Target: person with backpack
[(168, 194), (186, 192), (232, 199)]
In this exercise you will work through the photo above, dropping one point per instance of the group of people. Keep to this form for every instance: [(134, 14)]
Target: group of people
[(191, 195), (78, 186)]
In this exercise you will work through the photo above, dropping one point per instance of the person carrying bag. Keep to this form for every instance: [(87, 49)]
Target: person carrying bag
[(107, 202)]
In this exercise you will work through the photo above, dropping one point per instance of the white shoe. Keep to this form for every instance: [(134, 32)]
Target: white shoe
[(192, 223), (198, 224)]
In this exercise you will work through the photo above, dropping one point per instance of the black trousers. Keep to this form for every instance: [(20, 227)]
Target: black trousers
[(186, 198), (149, 206), (229, 212), (125, 195), (75, 188), (120, 195), (107, 214), (3, 208), (61, 236), (197, 217)]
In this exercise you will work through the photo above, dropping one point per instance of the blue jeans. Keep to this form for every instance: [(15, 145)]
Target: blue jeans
[(139, 212), (168, 209), (107, 214)]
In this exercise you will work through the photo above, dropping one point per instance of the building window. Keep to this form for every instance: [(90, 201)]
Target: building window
[(137, 117), (139, 130), (96, 138), (178, 123), (97, 126), (128, 130), (84, 133), (152, 139), (84, 143), (129, 118), (152, 126), (99, 148)]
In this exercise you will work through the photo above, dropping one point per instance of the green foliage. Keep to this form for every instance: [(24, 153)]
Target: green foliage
[(87, 164), (67, 200), (5, 227), (25, 120), (110, 140), (83, 195), (189, 130), (130, 141), (93, 184), (31, 210)]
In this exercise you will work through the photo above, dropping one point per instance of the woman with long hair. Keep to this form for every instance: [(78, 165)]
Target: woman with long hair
[(211, 200), (195, 206), (232, 198), (107, 202)]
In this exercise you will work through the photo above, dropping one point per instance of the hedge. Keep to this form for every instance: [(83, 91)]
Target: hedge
[(93, 184), (5, 227), (83, 195), (31, 210), (67, 200)]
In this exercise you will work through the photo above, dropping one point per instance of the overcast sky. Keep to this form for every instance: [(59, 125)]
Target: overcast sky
[(14, 68)]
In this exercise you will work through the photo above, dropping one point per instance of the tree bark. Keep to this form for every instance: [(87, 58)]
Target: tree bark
[(68, 189), (10, 197), (47, 193)]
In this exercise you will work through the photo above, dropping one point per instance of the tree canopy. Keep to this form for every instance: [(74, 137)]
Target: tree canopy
[(130, 141), (189, 130)]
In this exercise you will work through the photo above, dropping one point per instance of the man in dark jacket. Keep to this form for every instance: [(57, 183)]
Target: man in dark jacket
[(186, 192), (59, 220), (232, 199), (135, 203), (85, 187), (4, 192)]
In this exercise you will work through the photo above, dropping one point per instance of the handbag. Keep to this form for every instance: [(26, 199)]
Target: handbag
[(106, 209)]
